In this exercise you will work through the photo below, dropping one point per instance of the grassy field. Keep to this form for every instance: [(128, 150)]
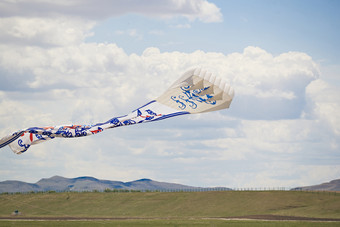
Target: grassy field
[(171, 208), (157, 223)]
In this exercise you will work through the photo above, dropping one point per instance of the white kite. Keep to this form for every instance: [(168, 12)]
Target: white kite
[(197, 91)]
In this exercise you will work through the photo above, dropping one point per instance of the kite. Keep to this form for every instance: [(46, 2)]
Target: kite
[(197, 91)]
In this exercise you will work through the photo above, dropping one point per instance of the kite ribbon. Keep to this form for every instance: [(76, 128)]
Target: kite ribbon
[(20, 141), (196, 91)]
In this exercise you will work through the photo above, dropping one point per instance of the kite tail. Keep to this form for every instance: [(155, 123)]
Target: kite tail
[(21, 140), (197, 91)]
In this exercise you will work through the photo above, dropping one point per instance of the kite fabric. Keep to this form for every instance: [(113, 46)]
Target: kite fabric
[(197, 91)]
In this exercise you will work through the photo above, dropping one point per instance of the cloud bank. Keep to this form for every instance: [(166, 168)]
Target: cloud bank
[(282, 126), (191, 9), (277, 112)]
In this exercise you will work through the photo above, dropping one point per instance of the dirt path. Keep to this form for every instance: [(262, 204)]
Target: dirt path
[(251, 217), (281, 218)]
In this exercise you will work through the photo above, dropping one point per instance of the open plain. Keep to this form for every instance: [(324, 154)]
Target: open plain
[(214, 208)]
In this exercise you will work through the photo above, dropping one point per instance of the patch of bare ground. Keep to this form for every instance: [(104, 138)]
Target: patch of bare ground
[(250, 217), (282, 218)]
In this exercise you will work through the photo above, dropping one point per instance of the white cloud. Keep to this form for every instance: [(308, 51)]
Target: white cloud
[(59, 31), (324, 103), (187, 25), (90, 9), (130, 32), (283, 113), (266, 87)]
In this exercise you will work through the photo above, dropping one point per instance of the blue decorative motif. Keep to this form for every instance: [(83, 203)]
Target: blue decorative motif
[(66, 134), (115, 122), (48, 134), (192, 104), (129, 122), (149, 118), (40, 137), (26, 138), (80, 131), (182, 106), (151, 112), (21, 144), (190, 97), (32, 130)]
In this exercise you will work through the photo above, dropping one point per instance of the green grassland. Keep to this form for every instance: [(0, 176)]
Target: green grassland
[(158, 223), (171, 208)]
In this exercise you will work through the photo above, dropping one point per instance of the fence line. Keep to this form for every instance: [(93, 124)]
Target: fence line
[(113, 190)]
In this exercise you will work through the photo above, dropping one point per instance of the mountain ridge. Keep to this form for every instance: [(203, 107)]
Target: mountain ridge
[(333, 185), (88, 183)]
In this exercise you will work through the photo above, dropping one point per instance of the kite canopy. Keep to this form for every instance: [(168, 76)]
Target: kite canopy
[(197, 91)]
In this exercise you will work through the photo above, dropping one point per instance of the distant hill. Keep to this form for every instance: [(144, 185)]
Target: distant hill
[(333, 185), (58, 183)]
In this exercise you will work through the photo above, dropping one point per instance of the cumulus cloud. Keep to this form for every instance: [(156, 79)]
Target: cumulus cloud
[(324, 103), (59, 31), (283, 113), (267, 86), (132, 33), (61, 23), (92, 82), (271, 87), (191, 9)]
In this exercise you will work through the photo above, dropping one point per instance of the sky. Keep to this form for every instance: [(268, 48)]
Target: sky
[(84, 62)]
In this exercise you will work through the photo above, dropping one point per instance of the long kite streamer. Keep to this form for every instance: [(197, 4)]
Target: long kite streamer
[(197, 91)]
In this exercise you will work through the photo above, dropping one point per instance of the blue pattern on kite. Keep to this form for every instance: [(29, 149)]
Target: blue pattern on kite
[(21, 144), (143, 114), (192, 98)]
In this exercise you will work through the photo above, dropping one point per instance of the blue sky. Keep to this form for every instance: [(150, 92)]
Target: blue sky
[(276, 26), (65, 62)]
